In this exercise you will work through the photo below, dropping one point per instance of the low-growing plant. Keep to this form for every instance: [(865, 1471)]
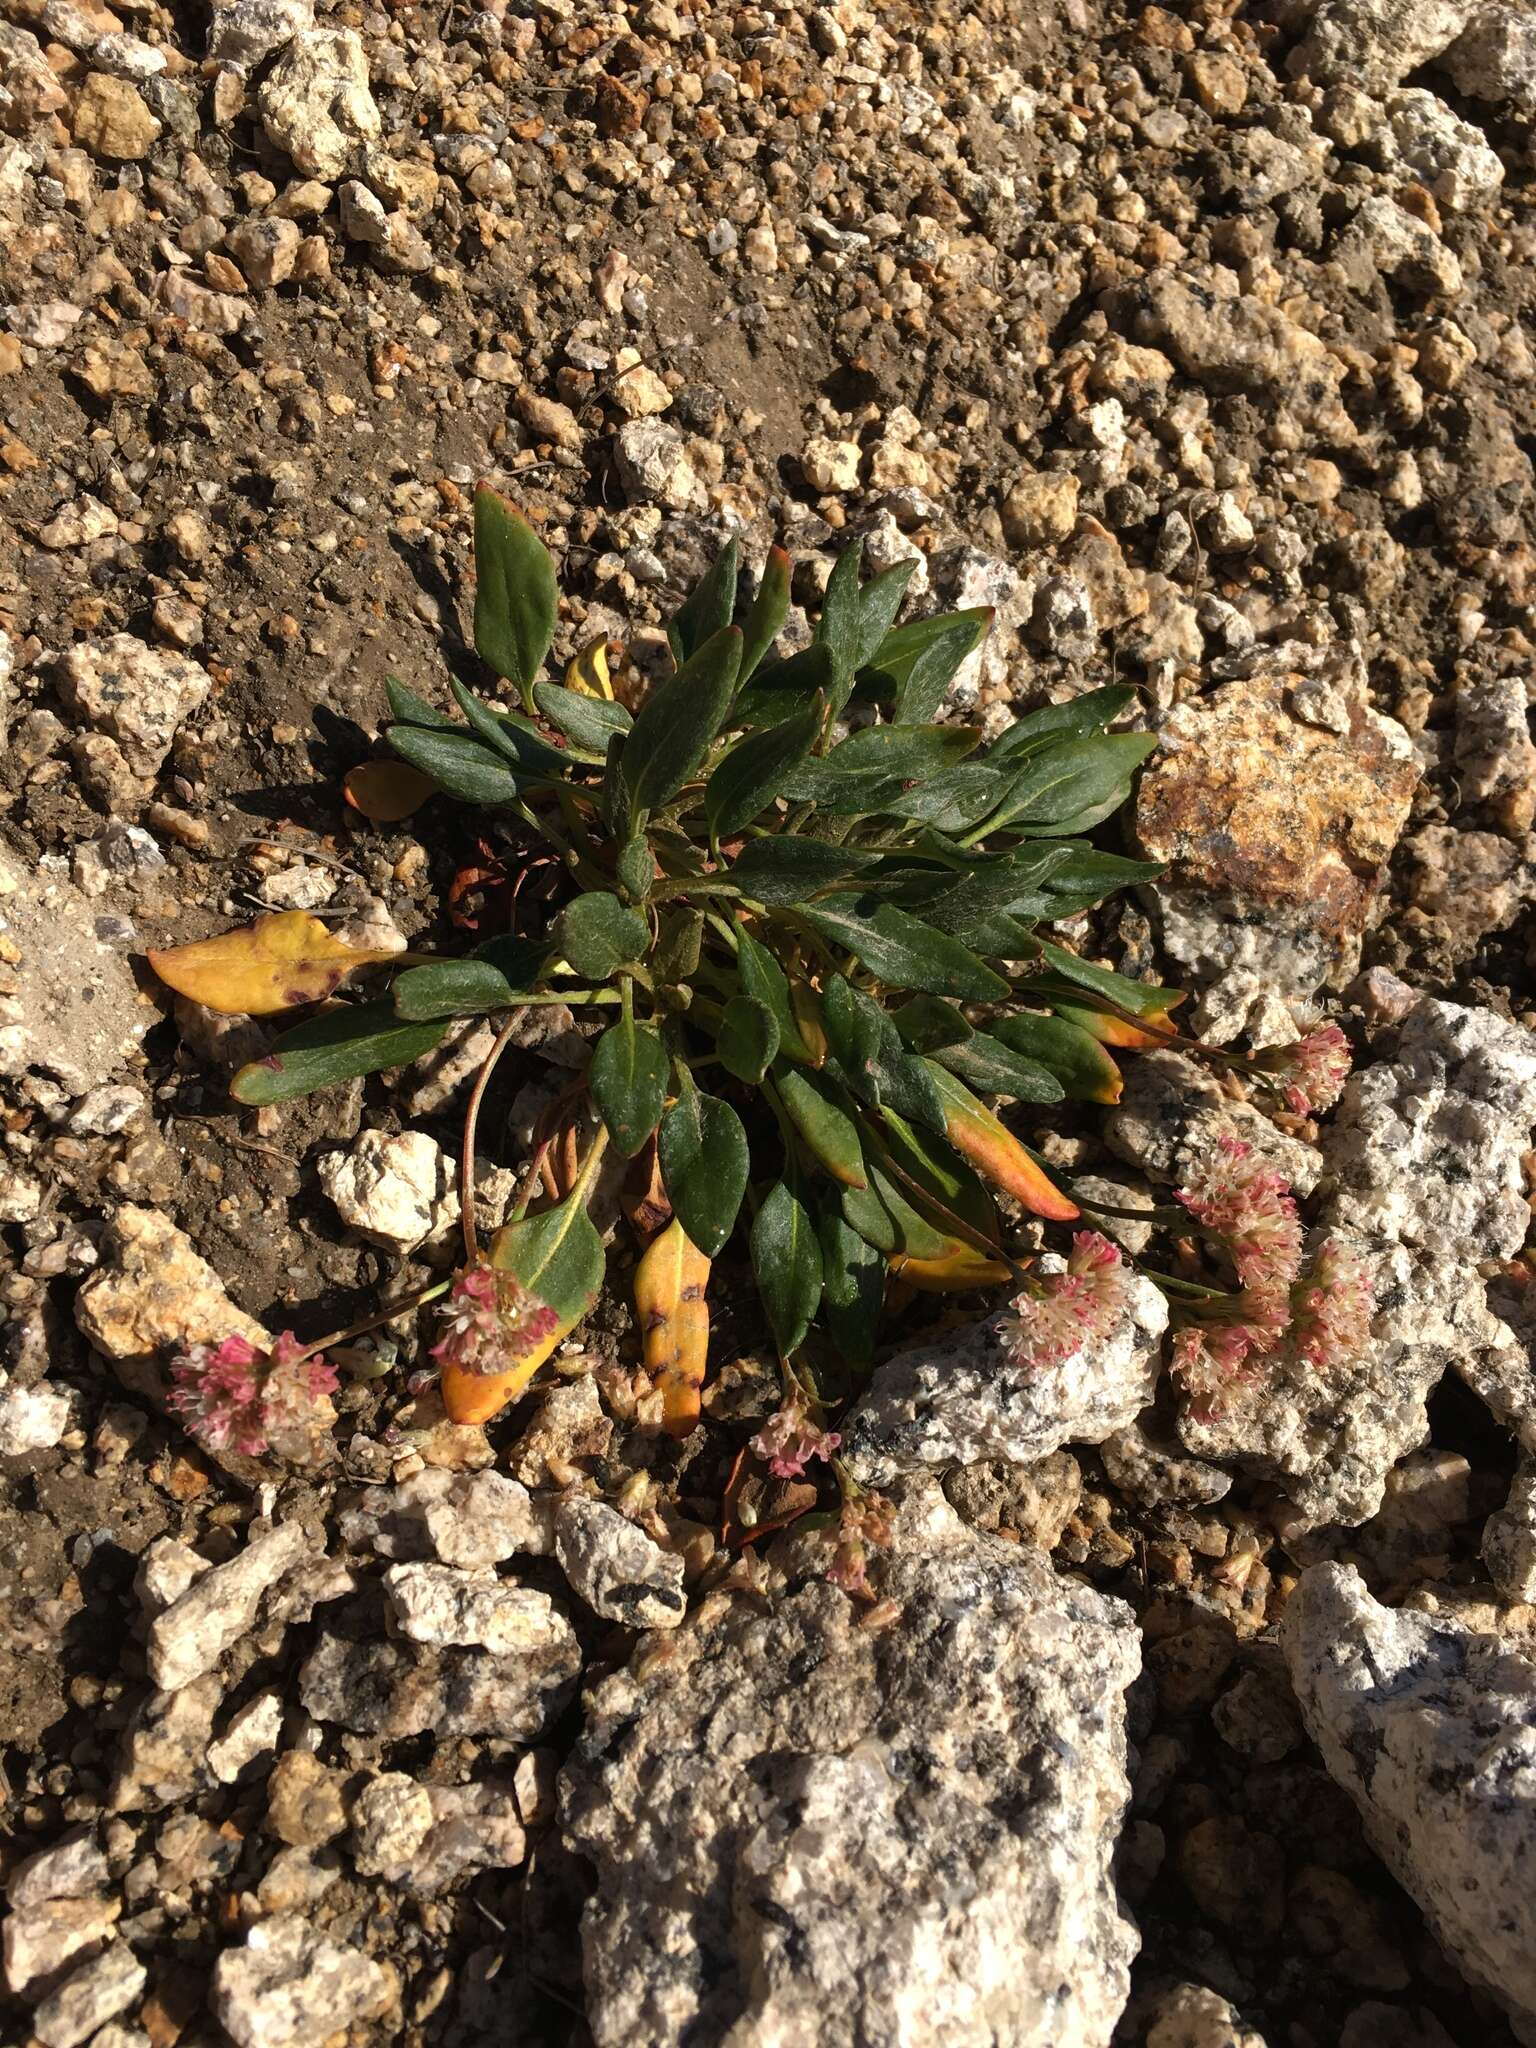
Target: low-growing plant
[(815, 921)]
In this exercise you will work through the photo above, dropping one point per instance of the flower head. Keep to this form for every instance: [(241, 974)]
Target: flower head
[(1251, 1209), (1059, 1313), (1311, 1073), (233, 1396), (1334, 1306), (493, 1323), (866, 1519), (789, 1439)]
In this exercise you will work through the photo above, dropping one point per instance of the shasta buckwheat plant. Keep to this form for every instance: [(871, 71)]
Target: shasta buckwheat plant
[(814, 922)]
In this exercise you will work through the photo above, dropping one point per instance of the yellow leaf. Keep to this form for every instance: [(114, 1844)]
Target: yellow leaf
[(274, 964), (674, 1321), (588, 673), (957, 1270), (387, 791), (471, 1397)]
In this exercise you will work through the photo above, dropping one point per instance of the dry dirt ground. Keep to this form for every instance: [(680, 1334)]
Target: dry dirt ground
[(1174, 334)]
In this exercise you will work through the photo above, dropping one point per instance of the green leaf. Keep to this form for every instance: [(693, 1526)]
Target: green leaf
[(781, 688), (617, 809), (748, 1039), (1084, 1068), (1091, 712), (786, 1260), (872, 1058), (411, 709), (765, 616), (929, 1024), (752, 773), (1141, 998), (557, 1257), (682, 715), (879, 763), (1070, 776), (457, 763), (496, 976), (902, 951), (338, 1045), (839, 627), (515, 594), (587, 722), (917, 662), (884, 1217), (675, 955), (628, 1082), (778, 871), (708, 607), (991, 1067), (764, 980), (942, 1176), (597, 935), (879, 602), (820, 1114), (635, 868), (515, 739), (951, 801), (702, 1148), (1085, 877), (853, 1287)]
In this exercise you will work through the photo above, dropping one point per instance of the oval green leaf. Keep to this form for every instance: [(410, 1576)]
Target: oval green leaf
[(786, 1260), (338, 1045)]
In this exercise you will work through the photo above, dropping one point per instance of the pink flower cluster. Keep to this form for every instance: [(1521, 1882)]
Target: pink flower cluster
[(1334, 1306), (1312, 1072), (1061, 1312), (493, 1322), (789, 1439), (1251, 1210), (232, 1396), (866, 1520)]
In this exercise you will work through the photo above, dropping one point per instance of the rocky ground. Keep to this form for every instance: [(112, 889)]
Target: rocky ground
[(1197, 341)]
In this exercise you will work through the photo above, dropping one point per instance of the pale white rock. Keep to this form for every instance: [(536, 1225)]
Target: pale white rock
[(1426, 1147), (831, 465), (1494, 752), (315, 103), (1150, 1469), (474, 1827), (399, 1688), (104, 1111), (292, 1987), (252, 1732), (1172, 1115), (398, 1188), (619, 1571), (89, 1997), (440, 1604), (199, 304), (1431, 1730), (1425, 140), (771, 1870), (1384, 237), (31, 1419), (1495, 56), (192, 1634), (71, 1006), (242, 32), (1193, 2016), (139, 695), (391, 1818), (655, 467), (1376, 43), (21, 1195), (459, 1518), (164, 1759), (167, 1568), (1509, 1537), (966, 577), (78, 523), (66, 1869), (39, 1942), (967, 1397)]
